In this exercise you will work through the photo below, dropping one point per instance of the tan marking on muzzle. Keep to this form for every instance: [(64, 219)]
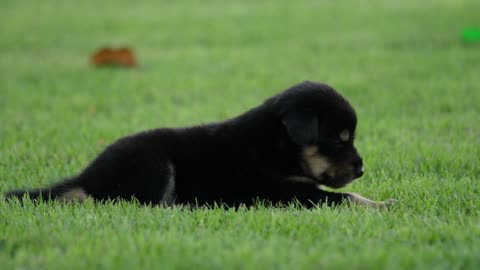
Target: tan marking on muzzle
[(334, 171), (75, 194)]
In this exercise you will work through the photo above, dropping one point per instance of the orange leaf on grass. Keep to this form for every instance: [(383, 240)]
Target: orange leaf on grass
[(114, 57)]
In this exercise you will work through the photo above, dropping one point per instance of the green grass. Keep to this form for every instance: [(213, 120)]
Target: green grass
[(402, 64)]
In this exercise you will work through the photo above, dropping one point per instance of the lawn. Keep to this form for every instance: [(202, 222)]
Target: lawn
[(402, 64)]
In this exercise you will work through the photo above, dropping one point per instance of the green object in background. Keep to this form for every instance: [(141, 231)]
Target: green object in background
[(471, 34)]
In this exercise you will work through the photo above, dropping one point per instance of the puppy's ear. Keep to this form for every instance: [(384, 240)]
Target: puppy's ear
[(302, 127)]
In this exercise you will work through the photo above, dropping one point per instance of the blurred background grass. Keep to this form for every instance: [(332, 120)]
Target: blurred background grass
[(402, 64)]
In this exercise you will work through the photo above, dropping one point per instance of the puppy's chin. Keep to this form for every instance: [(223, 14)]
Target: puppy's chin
[(339, 181)]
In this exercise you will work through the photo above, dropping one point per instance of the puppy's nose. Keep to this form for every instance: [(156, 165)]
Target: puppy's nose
[(359, 171), (358, 168)]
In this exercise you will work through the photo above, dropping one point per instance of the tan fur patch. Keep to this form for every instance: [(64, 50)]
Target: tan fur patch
[(316, 163), (344, 135), (75, 194)]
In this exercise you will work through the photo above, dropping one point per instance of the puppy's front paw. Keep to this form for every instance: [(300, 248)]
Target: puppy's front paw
[(360, 200), (387, 204)]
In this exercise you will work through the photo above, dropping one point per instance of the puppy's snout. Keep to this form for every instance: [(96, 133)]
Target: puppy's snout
[(358, 168)]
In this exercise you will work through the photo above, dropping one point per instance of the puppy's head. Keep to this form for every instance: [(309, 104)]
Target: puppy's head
[(320, 124)]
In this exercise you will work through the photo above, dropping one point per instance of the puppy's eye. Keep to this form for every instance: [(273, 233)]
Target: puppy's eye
[(344, 135)]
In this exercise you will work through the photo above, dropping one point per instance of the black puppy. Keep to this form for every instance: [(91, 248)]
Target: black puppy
[(278, 152)]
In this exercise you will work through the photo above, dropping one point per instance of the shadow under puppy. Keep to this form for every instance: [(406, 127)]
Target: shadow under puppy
[(279, 152)]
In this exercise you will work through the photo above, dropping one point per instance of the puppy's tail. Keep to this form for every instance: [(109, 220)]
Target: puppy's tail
[(68, 190)]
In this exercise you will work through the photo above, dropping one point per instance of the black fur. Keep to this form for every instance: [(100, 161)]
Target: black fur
[(260, 154)]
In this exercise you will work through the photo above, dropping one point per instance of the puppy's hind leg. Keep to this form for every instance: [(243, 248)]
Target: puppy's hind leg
[(147, 180), (167, 195), (156, 185)]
